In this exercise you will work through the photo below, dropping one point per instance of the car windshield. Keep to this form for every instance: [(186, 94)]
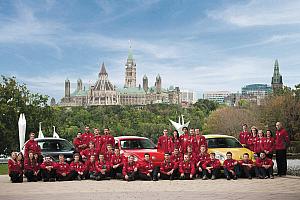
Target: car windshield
[(137, 144), (223, 143), (55, 145)]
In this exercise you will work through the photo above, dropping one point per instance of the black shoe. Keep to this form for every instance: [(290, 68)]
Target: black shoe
[(228, 177), (46, 180), (52, 179), (213, 177), (235, 178), (249, 177)]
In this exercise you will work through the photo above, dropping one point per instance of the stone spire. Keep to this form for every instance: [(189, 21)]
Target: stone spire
[(130, 71), (158, 83), (67, 88), (145, 83), (277, 78)]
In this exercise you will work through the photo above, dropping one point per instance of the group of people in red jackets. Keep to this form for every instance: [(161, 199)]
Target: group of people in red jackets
[(185, 157)]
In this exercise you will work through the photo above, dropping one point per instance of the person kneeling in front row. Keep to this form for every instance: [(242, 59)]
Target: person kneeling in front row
[(264, 166), (231, 167), (130, 169), (186, 168), (211, 167)]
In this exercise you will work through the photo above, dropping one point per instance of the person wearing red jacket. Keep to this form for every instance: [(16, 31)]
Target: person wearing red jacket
[(211, 167), (31, 145), (147, 171), (200, 159), (117, 161), (87, 136), (264, 166), (282, 142), (247, 166), (14, 169), (109, 153), (168, 169), (191, 154), (78, 167), (91, 167), (186, 168), (231, 168), (193, 140), (107, 139), (97, 139), (244, 135), (201, 140), (103, 168), (251, 142), (78, 143), (63, 170), (184, 139), (258, 146), (174, 142), (130, 169), (39, 162), (176, 156), (48, 168), (86, 154), (268, 144), (31, 168), (163, 143)]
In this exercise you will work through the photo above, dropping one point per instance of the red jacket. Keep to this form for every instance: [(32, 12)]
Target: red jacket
[(185, 141), (103, 165), (201, 140), (193, 157), (174, 143), (187, 167), (88, 152), (120, 159), (244, 136), (229, 164), (14, 166), (98, 142), (108, 155), (251, 142), (144, 166), (33, 146), (165, 167), (105, 140), (201, 158), (46, 164), (91, 166), (129, 167), (87, 137), (78, 166), (163, 144), (77, 142), (215, 164), (282, 139), (269, 144), (241, 162), (63, 168), (258, 145), (31, 165), (176, 158), (266, 161), (194, 144)]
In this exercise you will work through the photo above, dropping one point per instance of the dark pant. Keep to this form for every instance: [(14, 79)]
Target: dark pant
[(132, 176), (16, 177), (153, 175), (69, 177), (46, 174), (174, 175), (263, 172), (100, 176), (247, 172), (214, 172), (83, 176), (186, 176), (30, 176), (236, 171), (116, 173), (281, 161), (269, 155)]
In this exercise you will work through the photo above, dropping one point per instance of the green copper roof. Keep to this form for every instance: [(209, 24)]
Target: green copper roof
[(79, 93), (132, 90), (130, 54)]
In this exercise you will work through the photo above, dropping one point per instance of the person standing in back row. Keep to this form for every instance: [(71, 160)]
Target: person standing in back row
[(282, 142), (163, 142)]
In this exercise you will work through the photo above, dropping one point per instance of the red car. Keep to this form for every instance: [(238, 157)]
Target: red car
[(138, 146)]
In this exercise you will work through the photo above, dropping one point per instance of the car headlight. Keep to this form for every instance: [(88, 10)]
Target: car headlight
[(69, 159), (219, 156)]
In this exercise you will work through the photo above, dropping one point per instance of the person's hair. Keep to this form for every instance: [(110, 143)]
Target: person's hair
[(228, 153), (245, 125), (262, 152), (186, 154), (167, 153), (185, 128), (246, 154), (100, 154), (254, 127), (177, 134), (146, 154), (76, 154), (212, 153), (270, 132), (130, 156), (106, 128), (31, 133), (61, 155), (91, 142), (108, 145)]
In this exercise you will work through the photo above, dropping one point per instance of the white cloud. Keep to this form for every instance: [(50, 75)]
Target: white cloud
[(259, 13)]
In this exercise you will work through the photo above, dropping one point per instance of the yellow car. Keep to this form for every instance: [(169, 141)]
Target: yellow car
[(221, 144)]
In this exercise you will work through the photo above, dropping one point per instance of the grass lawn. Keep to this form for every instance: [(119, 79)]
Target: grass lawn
[(3, 169)]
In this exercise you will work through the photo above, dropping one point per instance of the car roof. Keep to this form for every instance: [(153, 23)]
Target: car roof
[(217, 136), (129, 137), (48, 138)]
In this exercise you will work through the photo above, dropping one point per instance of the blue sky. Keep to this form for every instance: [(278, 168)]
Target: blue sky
[(198, 45)]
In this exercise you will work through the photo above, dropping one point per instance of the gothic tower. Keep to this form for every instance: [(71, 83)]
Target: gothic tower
[(130, 73), (277, 78), (79, 85), (67, 88), (158, 83), (145, 83)]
